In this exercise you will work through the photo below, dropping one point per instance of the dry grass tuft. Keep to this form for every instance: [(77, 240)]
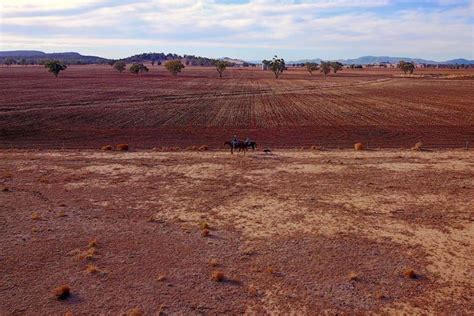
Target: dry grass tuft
[(7, 175), (62, 292), (35, 216), (107, 147), (135, 312), (88, 254), (252, 290), (380, 296), (61, 214), (410, 273), (68, 314), (359, 146), (205, 232), (92, 269), (217, 276), (192, 148), (122, 147), (353, 276), (213, 262), (92, 243), (203, 148), (161, 278), (204, 225), (270, 270), (418, 146)]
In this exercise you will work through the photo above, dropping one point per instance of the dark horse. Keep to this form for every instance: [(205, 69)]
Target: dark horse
[(251, 144), (241, 146), (238, 145)]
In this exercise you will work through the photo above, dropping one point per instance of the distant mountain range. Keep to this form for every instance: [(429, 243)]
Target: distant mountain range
[(367, 60), (73, 57)]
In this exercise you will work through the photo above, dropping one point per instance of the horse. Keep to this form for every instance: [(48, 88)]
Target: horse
[(239, 145), (251, 144)]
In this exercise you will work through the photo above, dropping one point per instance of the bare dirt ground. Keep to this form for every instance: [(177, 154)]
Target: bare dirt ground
[(292, 231), (91, 106)]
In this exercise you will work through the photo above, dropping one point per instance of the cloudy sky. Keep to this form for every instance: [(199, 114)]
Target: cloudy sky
[(248, 29)]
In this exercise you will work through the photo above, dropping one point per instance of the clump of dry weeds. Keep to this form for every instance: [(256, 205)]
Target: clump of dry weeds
[(135, 312), (122, 147), (359, 146), (92, 269), (35, 216), (62, 292), (107, 147), (217, 276), (418, 146)]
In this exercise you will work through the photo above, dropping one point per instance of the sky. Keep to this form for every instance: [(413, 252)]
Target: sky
[(246, 29)]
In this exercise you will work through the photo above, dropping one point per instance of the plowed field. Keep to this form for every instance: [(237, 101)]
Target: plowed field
[(90, 106)]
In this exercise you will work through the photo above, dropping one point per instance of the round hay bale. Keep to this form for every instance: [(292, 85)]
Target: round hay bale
[(107, 147), (122, 147), (359, 146)]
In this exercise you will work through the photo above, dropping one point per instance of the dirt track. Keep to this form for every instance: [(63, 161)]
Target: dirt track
[(91, 106), (293, 231)]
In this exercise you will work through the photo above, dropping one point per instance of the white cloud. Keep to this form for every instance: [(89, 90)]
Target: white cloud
[(28, 6), (336, 27)]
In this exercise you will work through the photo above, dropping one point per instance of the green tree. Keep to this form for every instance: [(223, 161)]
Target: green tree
[(325, 67), (310, 67), (120, 66), (55, 67), (336, 66), (174, 66), (277, 65), (221, 65), (137, 68), (406, 66)]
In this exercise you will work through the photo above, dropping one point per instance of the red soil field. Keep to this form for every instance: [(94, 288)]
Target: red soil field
[(91, 106)]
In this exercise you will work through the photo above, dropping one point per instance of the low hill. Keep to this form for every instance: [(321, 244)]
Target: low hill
[(368, 60), (36, 57)]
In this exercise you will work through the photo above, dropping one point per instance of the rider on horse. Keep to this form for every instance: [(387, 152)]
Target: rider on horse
[(234, 141)]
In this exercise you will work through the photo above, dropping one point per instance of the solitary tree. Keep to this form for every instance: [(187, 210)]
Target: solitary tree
[(221, 65), (120, 66), (325, 67), (277, 65), (158, 63), (152, 62), (310, 67), (406, 66), (55, 67), (137, 68), (336, 66), (174, 66)]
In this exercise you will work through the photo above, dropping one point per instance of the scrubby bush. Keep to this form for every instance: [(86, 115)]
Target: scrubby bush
[(62, 292), (359, 146), (122, 147), (217, 276)]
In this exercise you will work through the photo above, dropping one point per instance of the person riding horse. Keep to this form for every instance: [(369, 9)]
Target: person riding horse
[(234, 141)]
